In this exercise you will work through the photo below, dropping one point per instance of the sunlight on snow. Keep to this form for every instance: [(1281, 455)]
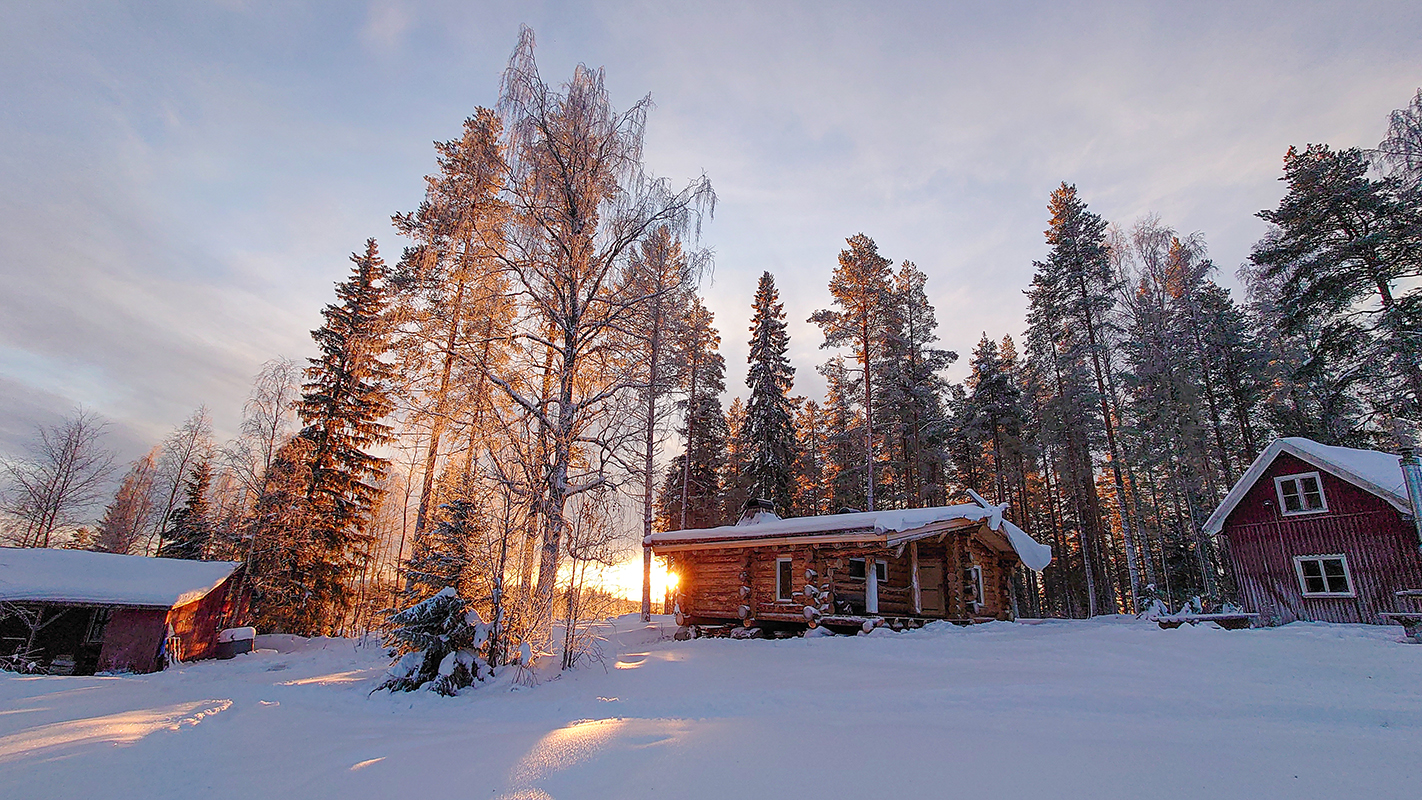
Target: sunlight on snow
[(329, 680), (557, 751), (123, 728)]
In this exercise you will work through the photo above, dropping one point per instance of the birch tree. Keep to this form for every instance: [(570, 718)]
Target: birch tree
[(579, 200), (63, 472)]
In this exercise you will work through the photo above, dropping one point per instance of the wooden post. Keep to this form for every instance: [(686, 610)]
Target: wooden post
[(871, 586), (917, 594)]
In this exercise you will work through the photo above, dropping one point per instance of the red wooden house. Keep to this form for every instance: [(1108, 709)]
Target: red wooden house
[(77, 612), (1321, 533)]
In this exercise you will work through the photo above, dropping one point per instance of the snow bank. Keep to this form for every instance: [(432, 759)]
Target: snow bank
[(1105, 708), (79, 576)]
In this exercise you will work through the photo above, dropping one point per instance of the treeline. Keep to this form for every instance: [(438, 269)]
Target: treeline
[(487, 411)]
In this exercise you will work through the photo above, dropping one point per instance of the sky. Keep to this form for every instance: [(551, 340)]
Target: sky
[(181, 183)]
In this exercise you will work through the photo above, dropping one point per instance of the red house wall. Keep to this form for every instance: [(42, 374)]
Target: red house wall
[(197, 624), (1381, 547), (133, 641)]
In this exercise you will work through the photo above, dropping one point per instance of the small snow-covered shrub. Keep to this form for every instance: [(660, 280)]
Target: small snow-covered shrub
[(437, 644), (1151, 605)]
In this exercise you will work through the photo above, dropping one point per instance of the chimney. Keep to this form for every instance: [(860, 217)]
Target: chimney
[(757, 510)]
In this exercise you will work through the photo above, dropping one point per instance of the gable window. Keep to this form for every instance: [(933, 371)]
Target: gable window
[(784, 579), (1324, 576), (1300, 494)]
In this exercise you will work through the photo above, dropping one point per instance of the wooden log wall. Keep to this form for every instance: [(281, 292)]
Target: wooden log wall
[(740, 583)]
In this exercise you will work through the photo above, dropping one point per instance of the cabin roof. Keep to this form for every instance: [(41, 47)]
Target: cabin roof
[(40, 574), (888, 527), (1373, 471)]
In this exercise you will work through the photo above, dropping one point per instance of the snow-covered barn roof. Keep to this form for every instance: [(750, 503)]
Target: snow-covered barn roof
[(887, 527), (79, 576), (1373, 471)]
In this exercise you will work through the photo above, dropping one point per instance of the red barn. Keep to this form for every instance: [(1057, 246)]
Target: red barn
[(75, 612), (1321, 533)]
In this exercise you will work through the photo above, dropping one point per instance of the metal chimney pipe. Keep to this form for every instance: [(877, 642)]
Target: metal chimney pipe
[(1412, 475)]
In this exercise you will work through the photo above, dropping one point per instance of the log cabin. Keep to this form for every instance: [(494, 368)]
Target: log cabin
[(1321, 533), (848, 571), (74, 612)]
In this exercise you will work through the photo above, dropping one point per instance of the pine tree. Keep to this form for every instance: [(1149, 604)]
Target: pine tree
[(1071, 292), (343, 401), (448, 293), (768, 436), (861, 289), (190, 535), (1346, 247), (910, 410), (843, 462)]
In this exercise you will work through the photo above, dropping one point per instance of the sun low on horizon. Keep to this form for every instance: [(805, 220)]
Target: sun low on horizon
[(625, 579)]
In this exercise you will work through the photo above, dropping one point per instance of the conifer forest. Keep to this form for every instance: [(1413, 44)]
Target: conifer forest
[(522, 378)]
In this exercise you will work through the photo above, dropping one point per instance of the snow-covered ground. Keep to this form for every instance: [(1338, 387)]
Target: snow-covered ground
[(1109, 708)]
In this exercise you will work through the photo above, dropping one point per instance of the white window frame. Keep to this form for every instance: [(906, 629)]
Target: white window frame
[(1298, 478), (784, 593), (975, 574), (1347, 575)]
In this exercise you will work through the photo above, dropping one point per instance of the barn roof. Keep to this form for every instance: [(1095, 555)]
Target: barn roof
[(1373, 471), (79, 576), (889, 527)]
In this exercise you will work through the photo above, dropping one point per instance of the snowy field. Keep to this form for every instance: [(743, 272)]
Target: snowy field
[(1109, 708)]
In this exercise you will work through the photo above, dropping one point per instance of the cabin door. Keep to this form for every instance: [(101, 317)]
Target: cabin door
[(930, 587)]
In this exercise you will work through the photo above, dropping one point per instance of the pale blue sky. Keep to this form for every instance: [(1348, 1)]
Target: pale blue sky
[(180, 183)]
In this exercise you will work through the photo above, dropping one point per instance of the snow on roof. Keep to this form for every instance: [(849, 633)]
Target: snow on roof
[(767, 526), (1371, 470), (79, 576)]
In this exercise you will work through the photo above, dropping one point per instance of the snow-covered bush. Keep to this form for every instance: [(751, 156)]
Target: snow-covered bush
[(437, 644), (1151, 605)]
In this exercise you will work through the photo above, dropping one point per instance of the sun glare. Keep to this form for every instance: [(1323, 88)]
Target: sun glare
[(625, 579)]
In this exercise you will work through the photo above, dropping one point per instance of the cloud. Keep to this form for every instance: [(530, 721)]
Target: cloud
[(184, 183)]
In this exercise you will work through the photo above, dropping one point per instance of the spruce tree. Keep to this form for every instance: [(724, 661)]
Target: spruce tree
[(190, 533), (811, 434), (691, 492), (441, 555), (343, 401), (768, 436), (734, 487)]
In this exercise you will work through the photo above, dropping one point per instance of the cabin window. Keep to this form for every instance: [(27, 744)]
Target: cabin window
[(784, 579), (1300, 494), (1324, 576), (98, 625), (857, 570), (975, 587)]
